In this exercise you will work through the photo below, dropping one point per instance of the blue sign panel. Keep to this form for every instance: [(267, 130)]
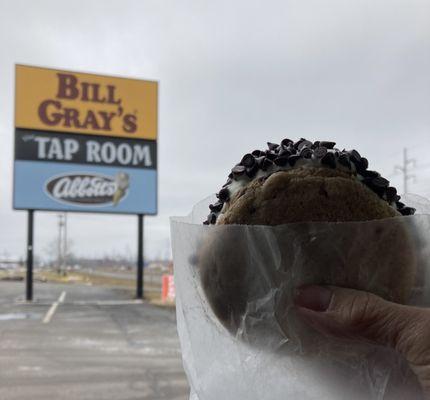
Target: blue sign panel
[(84, 188)]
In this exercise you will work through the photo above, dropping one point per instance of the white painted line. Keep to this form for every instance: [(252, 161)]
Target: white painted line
[(50, 313), (62, 297), (53, 308)]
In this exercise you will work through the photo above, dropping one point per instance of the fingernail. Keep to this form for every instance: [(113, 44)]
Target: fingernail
[(316, 298)]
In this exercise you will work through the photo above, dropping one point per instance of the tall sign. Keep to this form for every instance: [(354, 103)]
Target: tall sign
[(84, 142)]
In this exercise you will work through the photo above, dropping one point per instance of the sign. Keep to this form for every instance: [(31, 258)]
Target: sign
[(84, 142), (60, 101)]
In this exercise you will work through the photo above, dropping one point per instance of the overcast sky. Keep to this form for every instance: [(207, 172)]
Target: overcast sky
[(233, 75)]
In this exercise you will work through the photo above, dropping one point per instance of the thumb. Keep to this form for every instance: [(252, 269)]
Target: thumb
[(362, 315)]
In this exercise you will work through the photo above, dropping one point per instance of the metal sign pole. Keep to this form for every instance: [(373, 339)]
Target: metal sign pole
[(139, 287), (29, 280)]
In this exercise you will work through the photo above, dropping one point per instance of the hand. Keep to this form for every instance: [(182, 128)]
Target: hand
[(353, 313)]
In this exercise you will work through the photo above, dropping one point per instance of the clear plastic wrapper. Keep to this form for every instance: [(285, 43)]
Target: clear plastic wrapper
[(239, 334)]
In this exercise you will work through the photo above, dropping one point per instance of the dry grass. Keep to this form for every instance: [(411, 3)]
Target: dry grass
[(152, 292)]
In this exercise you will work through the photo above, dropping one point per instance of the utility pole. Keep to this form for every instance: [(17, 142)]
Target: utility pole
[(408, 163)]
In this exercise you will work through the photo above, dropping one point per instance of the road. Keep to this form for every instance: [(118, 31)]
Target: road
[(95, 345)]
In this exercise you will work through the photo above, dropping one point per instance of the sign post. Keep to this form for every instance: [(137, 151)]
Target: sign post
[(140, 260), (84, 143), (29, 276)]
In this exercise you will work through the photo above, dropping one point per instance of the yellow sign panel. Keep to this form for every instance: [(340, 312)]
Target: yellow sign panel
[(63, 101)]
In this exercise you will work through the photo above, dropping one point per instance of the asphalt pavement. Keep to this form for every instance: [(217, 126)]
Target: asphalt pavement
[(78, 342)]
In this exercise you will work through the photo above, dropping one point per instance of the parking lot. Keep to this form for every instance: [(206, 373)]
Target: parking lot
[(87, 343)]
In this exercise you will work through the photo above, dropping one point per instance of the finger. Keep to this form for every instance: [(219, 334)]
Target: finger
[(348, 312), (353, 313)]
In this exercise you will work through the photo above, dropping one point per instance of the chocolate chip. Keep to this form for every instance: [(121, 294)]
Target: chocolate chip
[(272, 146), (344, 160), (361, 165), (370, 174), (304, 143), (329, 160), (212, 218), (327, 145), (258, 153), (284, 152), (379, 190), (292, 150), (364, 164), (248, 160), (259, 160), (354, 156), (281, 161), (250, 172), (293, 159), (400, 205), (381, 182), (286, 142), (206, 222), (297, 144), (229, 181), (271, 155), (224, 195), (390, 194), (306, 152), (320, 152), (408, 211), (266, 164), (238, 170), (217, 207), (279, 149), (316, 144), (396, 198)]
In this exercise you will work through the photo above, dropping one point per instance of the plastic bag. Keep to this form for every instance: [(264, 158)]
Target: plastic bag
[(239, 335)]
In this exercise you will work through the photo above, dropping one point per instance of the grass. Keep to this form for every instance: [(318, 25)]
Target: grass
[(152, 292)]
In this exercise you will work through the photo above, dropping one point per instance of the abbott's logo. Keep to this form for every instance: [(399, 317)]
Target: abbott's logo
[(88, 189)]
